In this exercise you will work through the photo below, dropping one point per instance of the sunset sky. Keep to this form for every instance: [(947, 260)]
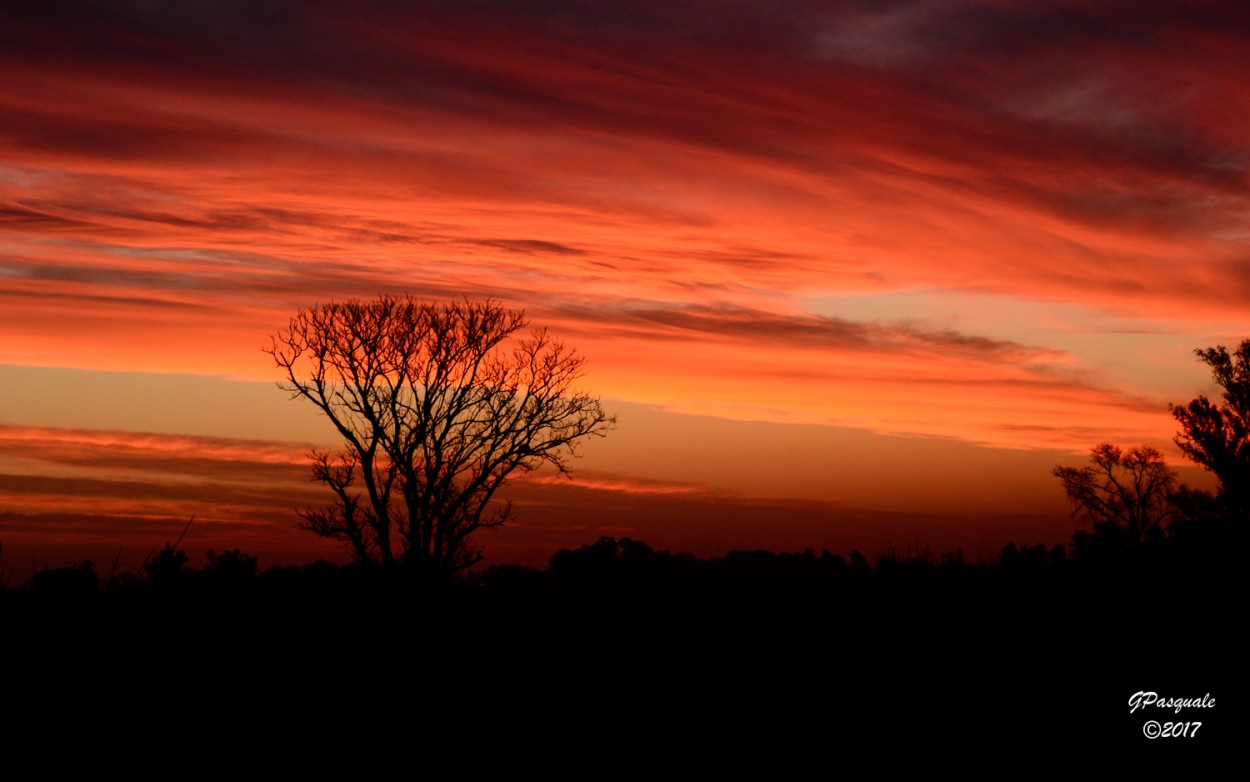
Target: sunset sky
[(849, 274)]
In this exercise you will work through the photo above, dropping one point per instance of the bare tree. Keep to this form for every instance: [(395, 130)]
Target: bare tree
[(1130, 489), (438, 406)]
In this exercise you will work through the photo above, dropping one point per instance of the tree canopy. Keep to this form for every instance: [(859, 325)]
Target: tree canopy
[(439, 405), (1218, 436)]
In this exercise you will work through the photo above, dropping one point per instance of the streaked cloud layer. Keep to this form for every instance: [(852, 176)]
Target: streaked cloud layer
[(114, 495), (1004, 223)]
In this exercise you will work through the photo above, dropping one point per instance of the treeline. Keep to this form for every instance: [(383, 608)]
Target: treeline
[(1195, 552)]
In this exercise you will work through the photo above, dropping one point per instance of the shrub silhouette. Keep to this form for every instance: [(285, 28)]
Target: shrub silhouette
[(67, 585), (164, 571)]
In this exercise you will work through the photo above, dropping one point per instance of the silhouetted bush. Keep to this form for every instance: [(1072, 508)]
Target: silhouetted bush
[(165, 569), (76, 585), (229, 574)]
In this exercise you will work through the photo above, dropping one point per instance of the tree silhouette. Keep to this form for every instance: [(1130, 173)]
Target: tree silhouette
[(1123, 492), (1218, 436), (438, 405)]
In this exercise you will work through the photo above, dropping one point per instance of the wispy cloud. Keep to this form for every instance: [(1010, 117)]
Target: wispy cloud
[(645, 178), (623, 484)]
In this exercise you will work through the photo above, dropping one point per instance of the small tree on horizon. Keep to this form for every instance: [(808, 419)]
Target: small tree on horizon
[(438, 406), (1128, 491)]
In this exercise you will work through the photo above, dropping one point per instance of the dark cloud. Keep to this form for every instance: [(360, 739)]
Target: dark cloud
[(817, 332), (781, 82), (529, 246), (65, 298), (16, 217), (122, 277), (101, 131), (167, 465), (137, 468), (18, 487)]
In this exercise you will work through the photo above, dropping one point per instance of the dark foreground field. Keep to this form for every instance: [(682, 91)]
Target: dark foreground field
[(804, 652)]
